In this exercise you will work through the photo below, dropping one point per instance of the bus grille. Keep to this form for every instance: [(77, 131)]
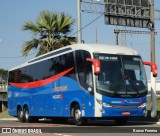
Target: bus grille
[(124, 107)]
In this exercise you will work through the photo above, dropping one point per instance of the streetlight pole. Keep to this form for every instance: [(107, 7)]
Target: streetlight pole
[(79, 32), (153, 79)]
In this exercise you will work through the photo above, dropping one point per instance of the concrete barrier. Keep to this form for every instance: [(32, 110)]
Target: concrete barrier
[(3, 97), (157, 85), (3, 88)]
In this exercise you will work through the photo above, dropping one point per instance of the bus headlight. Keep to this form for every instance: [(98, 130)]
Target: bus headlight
[(142, 105), (103, 103)]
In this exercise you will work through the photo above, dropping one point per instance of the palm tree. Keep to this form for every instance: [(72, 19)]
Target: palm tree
[(3, 76), (51, 31)]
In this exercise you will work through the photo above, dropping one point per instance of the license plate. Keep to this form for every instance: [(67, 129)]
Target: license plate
[(126, 113)]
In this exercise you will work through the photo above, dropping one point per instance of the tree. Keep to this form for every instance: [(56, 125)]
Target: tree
[(51, 31), (3, 76)]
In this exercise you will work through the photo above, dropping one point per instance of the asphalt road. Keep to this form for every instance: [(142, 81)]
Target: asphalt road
[(93, 128)]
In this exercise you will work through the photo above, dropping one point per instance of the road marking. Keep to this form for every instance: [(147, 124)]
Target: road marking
[(58, 134), (67, 135)]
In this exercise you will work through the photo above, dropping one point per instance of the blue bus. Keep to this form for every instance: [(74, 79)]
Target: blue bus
[(81, 81)]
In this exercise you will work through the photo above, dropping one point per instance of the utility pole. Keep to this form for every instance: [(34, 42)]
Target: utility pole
[(96, 25), (153, 79), (116, 31), (79, 32)]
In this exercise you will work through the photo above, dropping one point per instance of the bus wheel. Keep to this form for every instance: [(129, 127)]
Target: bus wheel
[(121, 120), (20, 115), (26, 115), (77, 116)]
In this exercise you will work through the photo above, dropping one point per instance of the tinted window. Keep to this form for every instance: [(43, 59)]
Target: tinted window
[(121, 76), (44, 69), (84, 69)]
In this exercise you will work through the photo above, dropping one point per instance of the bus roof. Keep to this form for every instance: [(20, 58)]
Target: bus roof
[(92, 48), (104, 48)]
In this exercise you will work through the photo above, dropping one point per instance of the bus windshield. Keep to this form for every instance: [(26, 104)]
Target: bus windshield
[(121, 76)]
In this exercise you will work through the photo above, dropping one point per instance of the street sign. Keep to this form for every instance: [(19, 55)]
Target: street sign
[(134, 13)]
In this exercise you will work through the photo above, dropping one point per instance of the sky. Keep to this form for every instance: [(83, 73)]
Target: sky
[(14, 13)]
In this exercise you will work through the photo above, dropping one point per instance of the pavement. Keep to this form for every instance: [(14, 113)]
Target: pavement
[(147, 120)]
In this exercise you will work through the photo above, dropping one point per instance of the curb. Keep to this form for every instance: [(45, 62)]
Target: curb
[(147, 122)]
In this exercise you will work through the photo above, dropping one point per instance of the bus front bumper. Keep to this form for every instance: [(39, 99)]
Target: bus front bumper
[(110, 112)]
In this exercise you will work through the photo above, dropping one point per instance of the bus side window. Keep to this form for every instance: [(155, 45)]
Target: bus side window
[(84, 69), (15, 76), (88, 73)]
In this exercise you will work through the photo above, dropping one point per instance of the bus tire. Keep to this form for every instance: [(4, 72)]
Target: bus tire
[(26, 115), (121, 120), (77, 116), (20, 115)]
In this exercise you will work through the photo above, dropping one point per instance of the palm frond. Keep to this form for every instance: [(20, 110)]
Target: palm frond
[(31, 27), (29, 45), (51, 31), (40, 52), (64, 23), (46, 20)]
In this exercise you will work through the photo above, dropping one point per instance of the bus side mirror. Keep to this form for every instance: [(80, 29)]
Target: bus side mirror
[(96, 64), (153, 68)]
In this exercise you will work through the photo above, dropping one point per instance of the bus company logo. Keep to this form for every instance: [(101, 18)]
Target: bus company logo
[(129, 102), (133, 102), (59, 88)]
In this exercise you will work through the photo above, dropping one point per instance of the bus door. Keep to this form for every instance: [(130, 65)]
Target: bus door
[(97, 96)]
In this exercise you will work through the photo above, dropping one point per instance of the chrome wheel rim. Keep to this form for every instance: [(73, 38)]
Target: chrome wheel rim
[(77, 115)]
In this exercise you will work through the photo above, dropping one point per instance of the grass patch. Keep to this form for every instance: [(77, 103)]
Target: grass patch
[(157, 102), (5, 114)]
